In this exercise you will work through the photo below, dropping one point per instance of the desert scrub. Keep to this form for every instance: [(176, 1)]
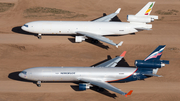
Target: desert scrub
[(46, 10), (5, 6), (169, 12), (51, 12)]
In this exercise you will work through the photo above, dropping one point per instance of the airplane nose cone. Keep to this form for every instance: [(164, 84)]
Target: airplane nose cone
[(23, 28), (20, 75)]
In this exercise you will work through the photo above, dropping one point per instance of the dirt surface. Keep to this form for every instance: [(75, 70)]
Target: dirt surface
[(20, 50)]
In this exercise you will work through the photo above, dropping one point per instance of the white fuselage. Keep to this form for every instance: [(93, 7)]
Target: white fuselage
[(76, 73), (71, 27)]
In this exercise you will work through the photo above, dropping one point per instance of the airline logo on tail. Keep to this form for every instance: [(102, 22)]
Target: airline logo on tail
[(149, 9), (155, 54)]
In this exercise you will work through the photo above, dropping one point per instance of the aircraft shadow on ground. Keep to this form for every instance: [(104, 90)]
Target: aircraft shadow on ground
[(18, 30), (89, 40), (94, 88)]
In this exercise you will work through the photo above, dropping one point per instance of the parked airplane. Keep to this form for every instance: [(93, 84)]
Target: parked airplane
[(101, 74), (96, 29)]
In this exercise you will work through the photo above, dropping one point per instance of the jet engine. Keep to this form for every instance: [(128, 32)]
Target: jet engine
[(80, 38), (141, 19), (150, 64), (84, 86)]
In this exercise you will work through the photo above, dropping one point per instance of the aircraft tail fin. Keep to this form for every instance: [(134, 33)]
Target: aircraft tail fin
[(153, 60), (156, 54), (146, 10), (143, 16)]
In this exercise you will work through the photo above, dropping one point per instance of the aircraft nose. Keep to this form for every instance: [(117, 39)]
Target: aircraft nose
[(20, 75), (23, 74), (25, 27)]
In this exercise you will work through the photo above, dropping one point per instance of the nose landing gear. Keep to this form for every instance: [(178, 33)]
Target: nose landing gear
[(39, 83), (39, 36)]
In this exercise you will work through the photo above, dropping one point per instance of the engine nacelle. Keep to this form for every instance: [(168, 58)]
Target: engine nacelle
[(79, 38), (149, 64), (141, 19), (84, 86)]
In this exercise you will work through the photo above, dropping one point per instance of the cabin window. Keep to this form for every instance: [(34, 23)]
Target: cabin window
[(25, 25), (24, 72)]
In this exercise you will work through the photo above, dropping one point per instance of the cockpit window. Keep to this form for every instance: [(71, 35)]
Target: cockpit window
[(24, 72), (25, 25)]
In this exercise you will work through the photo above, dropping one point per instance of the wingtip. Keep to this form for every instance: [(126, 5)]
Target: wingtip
[(118, 10), (123, 54), (129, 93), (119, 44)]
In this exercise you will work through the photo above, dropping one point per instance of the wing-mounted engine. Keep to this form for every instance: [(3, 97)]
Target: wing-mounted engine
[(141, 19), (84, 86), (150, 64), (80, 38)]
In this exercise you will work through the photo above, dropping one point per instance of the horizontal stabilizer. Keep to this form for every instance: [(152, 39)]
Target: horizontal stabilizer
[(165, 61), (143, 29), (152, 75)]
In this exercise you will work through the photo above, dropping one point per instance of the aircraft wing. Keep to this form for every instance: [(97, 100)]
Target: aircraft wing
[(105, 85), (108, 17), (99, 37), (112, 62)]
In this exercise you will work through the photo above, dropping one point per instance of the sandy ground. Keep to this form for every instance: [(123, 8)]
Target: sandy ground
[(20, 50)]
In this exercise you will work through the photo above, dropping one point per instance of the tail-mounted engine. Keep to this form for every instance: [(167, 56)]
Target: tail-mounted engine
[(141, 19), (150, 64), (84, 86)]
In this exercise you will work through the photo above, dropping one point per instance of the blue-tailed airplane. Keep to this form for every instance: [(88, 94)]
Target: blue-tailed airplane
[(102, 74)]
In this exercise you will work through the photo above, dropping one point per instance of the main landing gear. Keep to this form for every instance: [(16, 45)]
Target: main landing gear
[(39, 83)]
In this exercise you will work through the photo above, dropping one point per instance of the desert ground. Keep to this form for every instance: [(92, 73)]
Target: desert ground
[(20, 50)]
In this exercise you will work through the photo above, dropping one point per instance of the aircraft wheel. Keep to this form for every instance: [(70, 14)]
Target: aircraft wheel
[(39, 37), (39, 85)]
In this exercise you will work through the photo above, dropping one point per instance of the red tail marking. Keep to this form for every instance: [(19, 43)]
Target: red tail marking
[(129, 93), (123, 54)]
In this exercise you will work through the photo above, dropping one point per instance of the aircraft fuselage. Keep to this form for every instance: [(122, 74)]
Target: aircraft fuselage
[(107, 74), (71, 27)]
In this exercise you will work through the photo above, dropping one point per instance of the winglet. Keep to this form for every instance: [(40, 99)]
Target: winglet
[(129, 93), (118, 10), (119, 44), (123, 54)]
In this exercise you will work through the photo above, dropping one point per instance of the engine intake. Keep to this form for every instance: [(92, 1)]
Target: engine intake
[(84, 86), (150, 64), (141, 19), (79, 38)]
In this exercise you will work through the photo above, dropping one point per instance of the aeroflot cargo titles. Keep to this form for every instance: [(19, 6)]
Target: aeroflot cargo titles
[(101, 74), (97, 28)]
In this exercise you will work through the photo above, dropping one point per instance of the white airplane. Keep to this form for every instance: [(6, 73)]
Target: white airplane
[(98, 28), (102, 74)]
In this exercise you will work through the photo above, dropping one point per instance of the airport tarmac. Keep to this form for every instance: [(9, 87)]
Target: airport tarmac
[(20, 50)]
